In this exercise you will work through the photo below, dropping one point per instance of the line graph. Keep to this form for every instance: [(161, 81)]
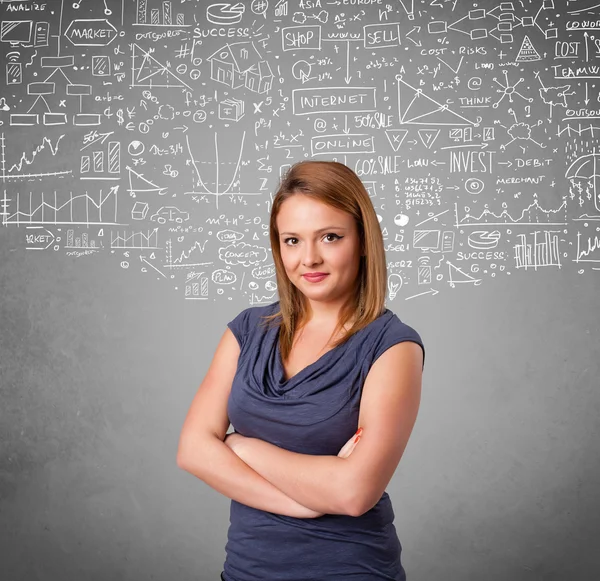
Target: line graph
[(532, 215), (135, 240), (79, 209), (588, 252), (28, 159), (181, 260)]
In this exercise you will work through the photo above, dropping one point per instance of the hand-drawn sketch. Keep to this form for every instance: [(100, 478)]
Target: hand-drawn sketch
[(240, 64), (475, 131)]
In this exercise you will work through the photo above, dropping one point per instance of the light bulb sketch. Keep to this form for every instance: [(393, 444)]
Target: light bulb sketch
[(394, 284)]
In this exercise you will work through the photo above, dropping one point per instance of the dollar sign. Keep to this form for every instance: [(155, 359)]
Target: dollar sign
[(120, 116)]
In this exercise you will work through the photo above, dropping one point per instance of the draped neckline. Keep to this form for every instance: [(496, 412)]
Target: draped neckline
[(283, 381)]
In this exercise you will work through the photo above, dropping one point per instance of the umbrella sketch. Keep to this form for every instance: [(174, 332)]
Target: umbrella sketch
[(586, 167)]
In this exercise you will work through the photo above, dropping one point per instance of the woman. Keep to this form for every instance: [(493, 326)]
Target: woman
[(296, 378)]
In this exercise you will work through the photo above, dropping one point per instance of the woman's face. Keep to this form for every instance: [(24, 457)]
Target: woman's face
[(315, 237)]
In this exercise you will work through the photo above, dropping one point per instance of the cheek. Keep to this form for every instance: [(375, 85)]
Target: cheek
[(342, 257), (288, 259)]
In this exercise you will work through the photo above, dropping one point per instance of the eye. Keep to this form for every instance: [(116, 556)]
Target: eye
[(286, 241)]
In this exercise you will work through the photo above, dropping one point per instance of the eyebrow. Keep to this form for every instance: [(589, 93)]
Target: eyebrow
[(316, 231)]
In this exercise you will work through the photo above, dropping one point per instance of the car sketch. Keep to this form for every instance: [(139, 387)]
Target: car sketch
[(171, 214)]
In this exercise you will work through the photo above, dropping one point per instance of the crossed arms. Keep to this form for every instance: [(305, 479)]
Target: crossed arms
[(264, 476)]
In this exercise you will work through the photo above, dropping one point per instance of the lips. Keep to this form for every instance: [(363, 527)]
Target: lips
[(315, 277)]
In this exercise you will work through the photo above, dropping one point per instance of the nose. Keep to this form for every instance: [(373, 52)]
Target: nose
[(311, 255)]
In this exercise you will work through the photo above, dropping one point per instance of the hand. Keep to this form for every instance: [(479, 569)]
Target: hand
[(349, 446), (236, 443), (345, 451)]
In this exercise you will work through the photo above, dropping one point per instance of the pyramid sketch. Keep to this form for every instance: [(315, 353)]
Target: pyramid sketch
[(148, 72), (417, 108), (527, 52)]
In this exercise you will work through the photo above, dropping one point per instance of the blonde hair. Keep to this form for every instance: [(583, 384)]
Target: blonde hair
[(336, 185)]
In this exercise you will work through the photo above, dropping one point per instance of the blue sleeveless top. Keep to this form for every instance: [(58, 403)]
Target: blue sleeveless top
[(314, 412)]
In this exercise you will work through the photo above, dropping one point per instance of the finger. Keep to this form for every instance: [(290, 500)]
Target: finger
[(349, 447), (354, 444), (351, 441), (347, 444), (344, 449)]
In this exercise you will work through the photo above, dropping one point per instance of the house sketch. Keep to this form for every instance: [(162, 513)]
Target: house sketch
[(239, 64)]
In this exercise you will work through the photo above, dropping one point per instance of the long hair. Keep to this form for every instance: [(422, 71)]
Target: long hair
[(336, 185)]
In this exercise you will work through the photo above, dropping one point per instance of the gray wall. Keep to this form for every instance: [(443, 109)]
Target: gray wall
[(109, 317)]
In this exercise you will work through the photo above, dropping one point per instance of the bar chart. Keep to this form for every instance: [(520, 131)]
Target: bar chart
[(82, 241), (158, 14), (104, 164)]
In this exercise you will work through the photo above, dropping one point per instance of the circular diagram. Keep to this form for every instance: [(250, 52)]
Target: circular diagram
[(474, 186)]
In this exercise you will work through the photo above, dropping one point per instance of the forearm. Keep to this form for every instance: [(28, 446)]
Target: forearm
[(318, 482), (218, 466)]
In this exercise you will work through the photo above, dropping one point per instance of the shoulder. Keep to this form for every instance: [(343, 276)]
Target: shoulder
[(391, 331), (249, 319), (397, 327), (254, 313)]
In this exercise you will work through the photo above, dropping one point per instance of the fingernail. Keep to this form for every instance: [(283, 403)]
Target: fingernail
[(356, 439), (359, 431)]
